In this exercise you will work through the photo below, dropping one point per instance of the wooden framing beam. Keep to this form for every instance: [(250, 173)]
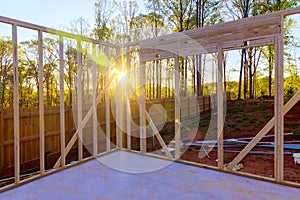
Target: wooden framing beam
[(127, 99), (119, 115), (16, 105), (254, 31), (107, 104), (83, 124), (41, 103), (128, 123), (62, 101), (151, 53), (158, 136), (79, 100), (142, 99), (278, 104), (223, 26), (220, 109), (177, 108), (156, 132), (119, 109), (52, 31), (95, 119)]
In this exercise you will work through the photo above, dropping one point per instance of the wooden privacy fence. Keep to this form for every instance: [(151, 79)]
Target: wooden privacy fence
[(29, 131), (29, 136)]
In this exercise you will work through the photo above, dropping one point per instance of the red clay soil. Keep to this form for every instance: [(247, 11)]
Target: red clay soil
[(246, 119)]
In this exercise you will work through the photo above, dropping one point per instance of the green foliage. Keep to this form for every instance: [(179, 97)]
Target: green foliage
[(246, 123), (6, 77), (233, 125), (297, 131)]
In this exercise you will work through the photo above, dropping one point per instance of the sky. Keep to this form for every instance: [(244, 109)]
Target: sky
[(59, 13), (49, 13)]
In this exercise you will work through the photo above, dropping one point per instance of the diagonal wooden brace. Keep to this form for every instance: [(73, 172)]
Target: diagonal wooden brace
[(263, 132), (156, 132), (83, 123)]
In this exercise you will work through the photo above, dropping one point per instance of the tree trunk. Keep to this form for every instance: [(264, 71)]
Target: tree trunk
[(199, 75), (245, 76), (250, 65), (224, 72), (241, 72), (185, 75)]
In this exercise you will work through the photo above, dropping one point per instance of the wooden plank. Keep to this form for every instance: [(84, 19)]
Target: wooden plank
[(128, 123), (95, 119), (41, 103), (32, 137), (263, 132), (128, 109), (119, 110), (142, 99), (151, 53), (156, 132), (158, 136), (278, 103), (242, 28), (79, 99), (226, 29), (16, 105), (83, 123), (62, 102), (52, 31), (220, 109), (177, 108), (107, 104)]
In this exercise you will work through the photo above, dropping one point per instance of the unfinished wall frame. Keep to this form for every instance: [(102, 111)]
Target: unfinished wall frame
[(255, 31), (64, 150), (262, 30)]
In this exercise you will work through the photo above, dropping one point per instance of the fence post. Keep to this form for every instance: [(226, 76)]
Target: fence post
[(70, 123), (1, 141), (203, 103), (209, 102)]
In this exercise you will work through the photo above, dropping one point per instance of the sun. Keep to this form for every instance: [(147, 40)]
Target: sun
[(121, 75)]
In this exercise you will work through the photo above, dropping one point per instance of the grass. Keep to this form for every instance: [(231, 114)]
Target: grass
[(246, 123), (233, 125), (297, 131), (233, 111), (258, 122)]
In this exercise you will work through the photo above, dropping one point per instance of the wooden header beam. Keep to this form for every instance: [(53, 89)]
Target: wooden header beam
[(31, 26), (253, 31), (244, 33)]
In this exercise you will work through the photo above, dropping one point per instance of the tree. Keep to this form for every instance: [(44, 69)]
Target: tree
[(207, 13), (267, 6), (125, 20), (30, 59), (6, 65), (50, 67), (104, 10), (71, 68), (80, 27)]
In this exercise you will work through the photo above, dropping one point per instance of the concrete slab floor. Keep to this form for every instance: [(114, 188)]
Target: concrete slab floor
[(124, 175)]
